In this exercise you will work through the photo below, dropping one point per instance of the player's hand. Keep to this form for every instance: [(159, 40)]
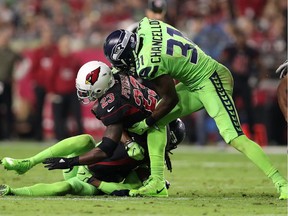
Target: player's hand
[(61, 163), (134, 150), (139, 127), (282, 69)]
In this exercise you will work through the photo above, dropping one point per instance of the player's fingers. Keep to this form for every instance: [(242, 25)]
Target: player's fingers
[(49, 166), (46, 161), (49, 160)]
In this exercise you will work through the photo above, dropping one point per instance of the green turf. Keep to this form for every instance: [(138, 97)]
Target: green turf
[(203, 182)]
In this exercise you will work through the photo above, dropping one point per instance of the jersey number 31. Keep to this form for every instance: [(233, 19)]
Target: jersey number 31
[(184, 47)]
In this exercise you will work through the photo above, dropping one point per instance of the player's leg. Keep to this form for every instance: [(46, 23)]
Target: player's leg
[(54, 189), (155, 185), (256, 154), (76, 145), (82, 188), (76, 185), (80, 185), (220, 106), (73, 186), (132, 181)]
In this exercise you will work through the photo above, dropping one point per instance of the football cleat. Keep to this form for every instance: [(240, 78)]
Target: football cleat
[(19, 165), (282, 188), (153, 187), (167, 184), (4, 190)]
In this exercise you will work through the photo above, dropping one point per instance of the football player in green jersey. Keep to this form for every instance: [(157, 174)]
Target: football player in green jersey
[(161, 53)]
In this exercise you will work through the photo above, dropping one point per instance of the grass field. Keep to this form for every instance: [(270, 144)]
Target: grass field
[(206, 181)]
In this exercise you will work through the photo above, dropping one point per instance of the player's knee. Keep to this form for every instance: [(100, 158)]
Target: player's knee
[(81, 188), (86, 141), (62, 188), (80, 144)]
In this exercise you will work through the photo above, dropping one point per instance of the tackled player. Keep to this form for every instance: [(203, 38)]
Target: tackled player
[(121, 101)]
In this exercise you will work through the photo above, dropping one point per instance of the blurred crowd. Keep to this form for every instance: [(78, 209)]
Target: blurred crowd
[(44, 42)]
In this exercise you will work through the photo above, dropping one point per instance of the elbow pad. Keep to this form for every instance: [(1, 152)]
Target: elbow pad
[(108, 146)]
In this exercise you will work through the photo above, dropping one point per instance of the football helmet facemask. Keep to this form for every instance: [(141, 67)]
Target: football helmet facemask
[(177, 133), (120, 48), (94, 78)]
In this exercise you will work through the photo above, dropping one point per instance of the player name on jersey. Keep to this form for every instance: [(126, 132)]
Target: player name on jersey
[(157, 39)]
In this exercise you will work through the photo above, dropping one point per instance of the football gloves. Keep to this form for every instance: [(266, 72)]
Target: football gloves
[(282, 69), (139, 127), (134, 150), (61, 163)]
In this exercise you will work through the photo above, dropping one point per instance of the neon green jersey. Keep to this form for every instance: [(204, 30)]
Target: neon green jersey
[(166, 51)]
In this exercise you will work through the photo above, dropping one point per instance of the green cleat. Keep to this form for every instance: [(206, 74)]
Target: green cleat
[(4, 190), (282, 188), (153, 187), (19, 165)]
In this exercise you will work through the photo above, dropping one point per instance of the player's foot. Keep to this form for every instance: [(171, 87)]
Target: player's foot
[(4, 190), (282, 188), (19, 165), (153, 187)]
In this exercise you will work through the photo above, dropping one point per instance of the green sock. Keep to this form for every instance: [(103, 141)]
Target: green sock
[(54, 189), (256, 154), (277, 178), (73, 146), (109, 187), (156, 141)]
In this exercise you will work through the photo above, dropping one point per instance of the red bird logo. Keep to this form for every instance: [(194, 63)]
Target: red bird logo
[(93, 76)]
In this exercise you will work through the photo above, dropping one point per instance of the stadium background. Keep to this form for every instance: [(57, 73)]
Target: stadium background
[(208, 22)]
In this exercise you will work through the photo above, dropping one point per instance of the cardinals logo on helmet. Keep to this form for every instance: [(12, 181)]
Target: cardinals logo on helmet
[(93, 76)]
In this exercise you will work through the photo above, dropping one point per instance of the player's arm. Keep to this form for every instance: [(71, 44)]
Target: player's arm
[(165, 87), (105, 149)]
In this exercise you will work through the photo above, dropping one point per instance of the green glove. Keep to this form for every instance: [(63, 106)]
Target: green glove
[(134, 150), (139, 127), (83, 173)]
